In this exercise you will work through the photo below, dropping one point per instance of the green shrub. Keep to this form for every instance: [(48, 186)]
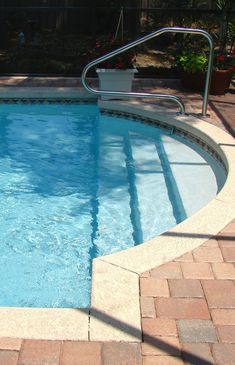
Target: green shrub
[(192, 62)]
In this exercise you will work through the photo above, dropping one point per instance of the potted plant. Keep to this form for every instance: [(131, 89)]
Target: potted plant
[(116, 73), (224, 67), (192, 67)]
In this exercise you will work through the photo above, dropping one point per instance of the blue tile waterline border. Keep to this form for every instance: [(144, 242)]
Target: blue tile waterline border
[(45, 101), (131, 116), (172, 130)]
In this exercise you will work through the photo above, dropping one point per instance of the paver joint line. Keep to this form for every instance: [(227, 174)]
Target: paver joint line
[(119, 266)]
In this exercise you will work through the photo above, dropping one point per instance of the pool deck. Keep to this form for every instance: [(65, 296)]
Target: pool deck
[(187, 305)]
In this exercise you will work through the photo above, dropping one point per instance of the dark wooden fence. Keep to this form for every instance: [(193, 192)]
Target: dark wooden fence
[(57, 31), (91, 17)]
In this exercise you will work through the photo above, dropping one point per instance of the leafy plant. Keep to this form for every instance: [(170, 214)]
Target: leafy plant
[(192, 62)]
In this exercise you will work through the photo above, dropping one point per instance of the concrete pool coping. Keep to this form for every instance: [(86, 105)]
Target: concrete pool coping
[(44, 92), (114, 314)]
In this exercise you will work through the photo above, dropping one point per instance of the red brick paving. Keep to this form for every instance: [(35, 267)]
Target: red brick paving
[(121, 353), (224, 353), (208, 254), (159, 327), (219, 293), (197, 270), (224, 106), (152, 287), (226, 333), (162, 360), (202, 303), (8, 357), (196, 330), (177, 308), (186, 288), (161, 345), (171, 270), (187, 306), (81, 353), (224, 270), (197, 353), (147, 307), (35, 352), (10, 343), (223, 316)]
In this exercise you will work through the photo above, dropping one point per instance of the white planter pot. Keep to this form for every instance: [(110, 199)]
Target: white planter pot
[(115, 80)]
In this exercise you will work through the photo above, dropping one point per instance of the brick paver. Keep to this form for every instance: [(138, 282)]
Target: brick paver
[(224, 353), (226, 333), (170, 270), (226, 239), (159, 327), (147, 307), (224, 270), (183, 288), (224, 106), (10, 344), (229, 254), (81, 353), (187, 305), (8, 357), (161, 345), (197, 353), (196, 330), (187, 257), (162, 360), (208, 254), (202, 304), (223, 316), (121, 354), (197, 270), (152, 287), (35, 352), (178, 308), (219, 293)]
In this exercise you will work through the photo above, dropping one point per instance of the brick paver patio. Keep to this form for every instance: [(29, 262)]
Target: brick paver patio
[(187, 305)]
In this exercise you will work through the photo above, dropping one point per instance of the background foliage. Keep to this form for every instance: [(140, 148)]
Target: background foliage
[(57, 33)]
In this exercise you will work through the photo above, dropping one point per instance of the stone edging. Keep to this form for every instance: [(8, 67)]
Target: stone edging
[(111, 293), (115, 312)]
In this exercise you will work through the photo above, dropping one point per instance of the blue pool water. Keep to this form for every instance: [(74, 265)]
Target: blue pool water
[(76, 185)]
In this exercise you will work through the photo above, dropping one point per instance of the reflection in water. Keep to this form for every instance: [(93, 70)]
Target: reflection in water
[(76, 185)]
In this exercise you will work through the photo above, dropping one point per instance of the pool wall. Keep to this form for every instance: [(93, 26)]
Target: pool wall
[(115, 311), (112, 273)]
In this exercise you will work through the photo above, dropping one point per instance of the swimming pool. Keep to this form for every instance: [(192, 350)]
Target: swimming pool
[(76, 185)]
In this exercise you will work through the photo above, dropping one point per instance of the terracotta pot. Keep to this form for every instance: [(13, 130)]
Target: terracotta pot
[(193, 80), (229, 79), (220, 81)]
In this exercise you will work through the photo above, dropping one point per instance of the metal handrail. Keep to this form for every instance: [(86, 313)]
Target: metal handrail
[(150, 95)]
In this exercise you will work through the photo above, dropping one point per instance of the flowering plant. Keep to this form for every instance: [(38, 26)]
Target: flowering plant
[(106, 45), (225, 62)]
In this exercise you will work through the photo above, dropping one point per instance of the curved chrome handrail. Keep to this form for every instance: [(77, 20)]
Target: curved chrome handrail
[(149, 95)]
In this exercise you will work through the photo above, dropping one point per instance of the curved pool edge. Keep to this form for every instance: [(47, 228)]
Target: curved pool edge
[(115, 311), (115, 276)]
